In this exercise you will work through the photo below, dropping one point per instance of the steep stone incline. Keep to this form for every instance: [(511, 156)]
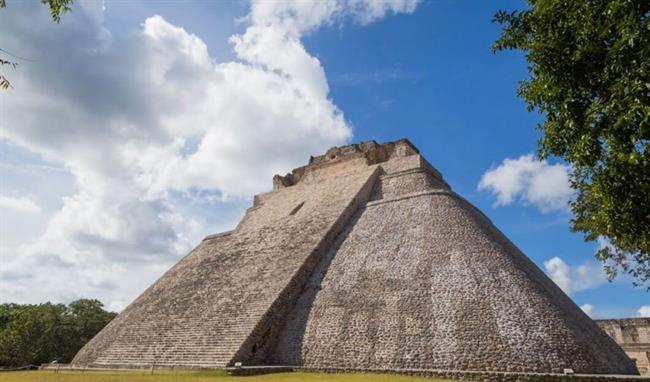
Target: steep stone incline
[(362, 259), (220, 301), (421, 279)]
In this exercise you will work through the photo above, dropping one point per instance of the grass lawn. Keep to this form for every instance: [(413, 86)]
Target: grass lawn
[(196, 376)]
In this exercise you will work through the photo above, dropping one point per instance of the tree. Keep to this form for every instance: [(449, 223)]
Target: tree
[(57, 8), (589, 76), (87, 318), (4, 82), (36, 334)]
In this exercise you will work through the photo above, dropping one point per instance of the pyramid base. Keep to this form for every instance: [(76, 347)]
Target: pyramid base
[(491, 376), (460, 375)]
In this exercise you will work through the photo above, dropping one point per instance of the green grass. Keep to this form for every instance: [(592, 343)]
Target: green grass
[(195, 376)]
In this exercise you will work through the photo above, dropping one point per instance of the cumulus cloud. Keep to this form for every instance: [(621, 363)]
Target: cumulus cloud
[(149, 125), (588, 309), (526, 179), (22, 204), (302, 16), (574, 278), (644, 311)]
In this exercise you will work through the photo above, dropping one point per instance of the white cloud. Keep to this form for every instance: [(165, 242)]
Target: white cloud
[(148, 123), (574, 278), (644, 311), (301, 16), (544, 185), (22, 204), (588, 309)]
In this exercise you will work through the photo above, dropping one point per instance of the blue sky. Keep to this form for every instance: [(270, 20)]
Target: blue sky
[(71, 200), (431, 77)]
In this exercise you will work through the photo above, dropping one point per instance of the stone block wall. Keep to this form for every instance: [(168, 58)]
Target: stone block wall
[(633, 335), (420, 279), (363, 259), (212, 306)]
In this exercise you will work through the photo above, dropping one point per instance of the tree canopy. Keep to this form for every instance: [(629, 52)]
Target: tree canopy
[(589, 75), (36, 334)]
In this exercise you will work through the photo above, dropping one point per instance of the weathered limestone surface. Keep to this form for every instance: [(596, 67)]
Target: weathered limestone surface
[(423, 280), (203, 310), (363, 259), (633, 335)]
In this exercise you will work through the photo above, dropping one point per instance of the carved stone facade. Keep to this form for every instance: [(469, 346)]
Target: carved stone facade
[(633, 335), (362, 259)]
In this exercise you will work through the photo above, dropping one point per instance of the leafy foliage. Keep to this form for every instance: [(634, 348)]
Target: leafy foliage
[(35, 334), (4, 82), (57, 8), (589, 66)]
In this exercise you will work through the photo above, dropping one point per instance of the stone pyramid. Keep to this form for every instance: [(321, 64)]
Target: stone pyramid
[(364, 258)]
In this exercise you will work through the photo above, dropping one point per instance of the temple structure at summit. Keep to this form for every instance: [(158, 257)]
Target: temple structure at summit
[(362, 259)]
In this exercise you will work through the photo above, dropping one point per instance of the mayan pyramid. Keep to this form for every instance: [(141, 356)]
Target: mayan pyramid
[(364, 258)]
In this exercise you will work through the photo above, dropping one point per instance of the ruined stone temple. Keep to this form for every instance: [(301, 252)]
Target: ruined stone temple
[(362, 259), (633, 335)]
